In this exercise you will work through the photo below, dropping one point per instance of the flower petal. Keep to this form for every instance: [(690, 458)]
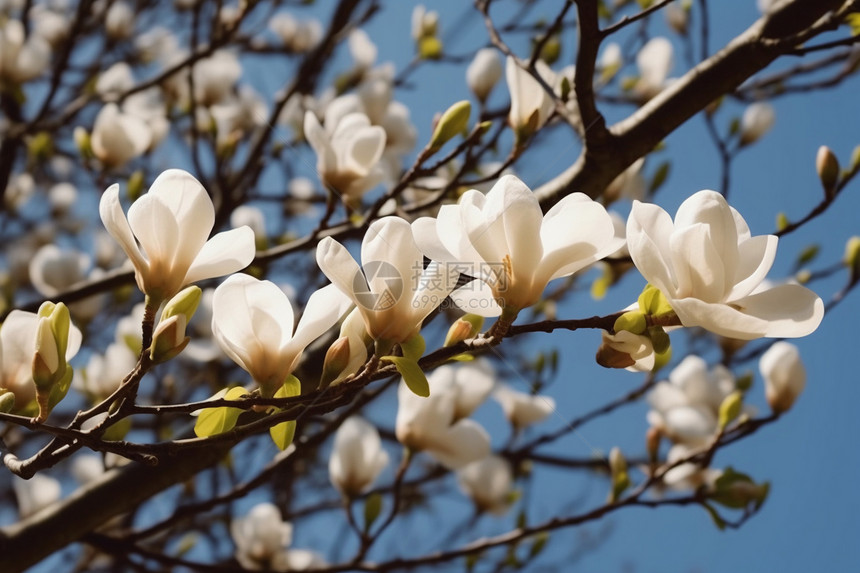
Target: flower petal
[(648, 230), (718, 318), (225, 253), (790, 310), (117, 225), (476, 297)]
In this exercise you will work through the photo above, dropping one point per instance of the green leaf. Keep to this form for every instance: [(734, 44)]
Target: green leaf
[(807, 255), (212, 421), (653, 302), (291, 388), (463, 357), (660, 176), (412, 374), (632, 321), (853, 21), (413, 348), (718, 521), (540, 541), (283, 433), (372, 509)]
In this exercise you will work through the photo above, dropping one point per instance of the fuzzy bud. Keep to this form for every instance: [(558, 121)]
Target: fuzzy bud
[(827, 167)]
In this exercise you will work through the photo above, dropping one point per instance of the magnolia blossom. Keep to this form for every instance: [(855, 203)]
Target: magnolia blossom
[(611, 60), (484, 72), (362, 49), (631, 351), (105, 372), (689, 475), (115, 80), (17, 349), (521, 409), (432, 424), (655, 62), (21, 59), (53, 270), (348, 153), (512, 248), (757, 120), (172, 223), (119, 137), (215, 76), (262, 541), (784, 375), (489, 482), (252, 321), (119, 21), (393, 291), (357, 457), (685, 408), (36, 493), (531, 104), (296, 35), (711, 269)]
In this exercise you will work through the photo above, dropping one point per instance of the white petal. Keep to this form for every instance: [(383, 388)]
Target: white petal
[(339, 266), (225, 253), (697, 263), (117, 225), (476, 297), (756, 256), (648, 231), (322, 311), (790, 310), (463, 443), (718, 318)]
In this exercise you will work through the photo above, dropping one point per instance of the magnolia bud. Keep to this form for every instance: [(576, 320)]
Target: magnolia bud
[(620, 478), (7, 401), (169, 338), (464, 328), (483, 73), (784, 375), (827, 167), (82, 141), (119, 21), (730, 408), (757, 120), (336, 360), (453, 121), (852, 257), (51, 372), (652, 443)]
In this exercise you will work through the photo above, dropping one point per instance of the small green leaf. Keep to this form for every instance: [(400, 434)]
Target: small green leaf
[(413, 348), (540, 541), (412, 374), (781, 221), (718, 521), (660, 176), (212, 421), (283, 433), (807, 255), (730, 408), (463, 357), (291, 387), (632, 321), (653, 302), (372, 509)]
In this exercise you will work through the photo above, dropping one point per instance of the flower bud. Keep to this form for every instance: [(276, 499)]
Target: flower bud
[(119, 21), (633, 321), (464, 328), (82, 141), (652, 443), (7, 401), (336, 360), (484, 73), (784, 375), (455, 120), (827, 167), (51, 372), (757, 120), (730, 408), (169, 338), (620, 478)]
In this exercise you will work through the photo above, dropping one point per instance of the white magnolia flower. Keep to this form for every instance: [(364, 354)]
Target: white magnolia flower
[(513, 249), (362, 49), (17, 349), (348, 153), (424, 22), (262, 538), (654, 61), (172, 223), (630, 346), (523, 409), (157, 43), (392, 290), (21, 59), (119, 21), (611, 60), (104, 373), (484, 72), (687, 476), (757, 120), (686, 407), (50, 23), (630, 184), (296, 35), (53, 269), (711, 269), (489, 482), (119, 137), (531, 104), (62, 197), (36, 493), (784, 375), (252, 321), (357, 457), (215, 76), (431, 424)]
